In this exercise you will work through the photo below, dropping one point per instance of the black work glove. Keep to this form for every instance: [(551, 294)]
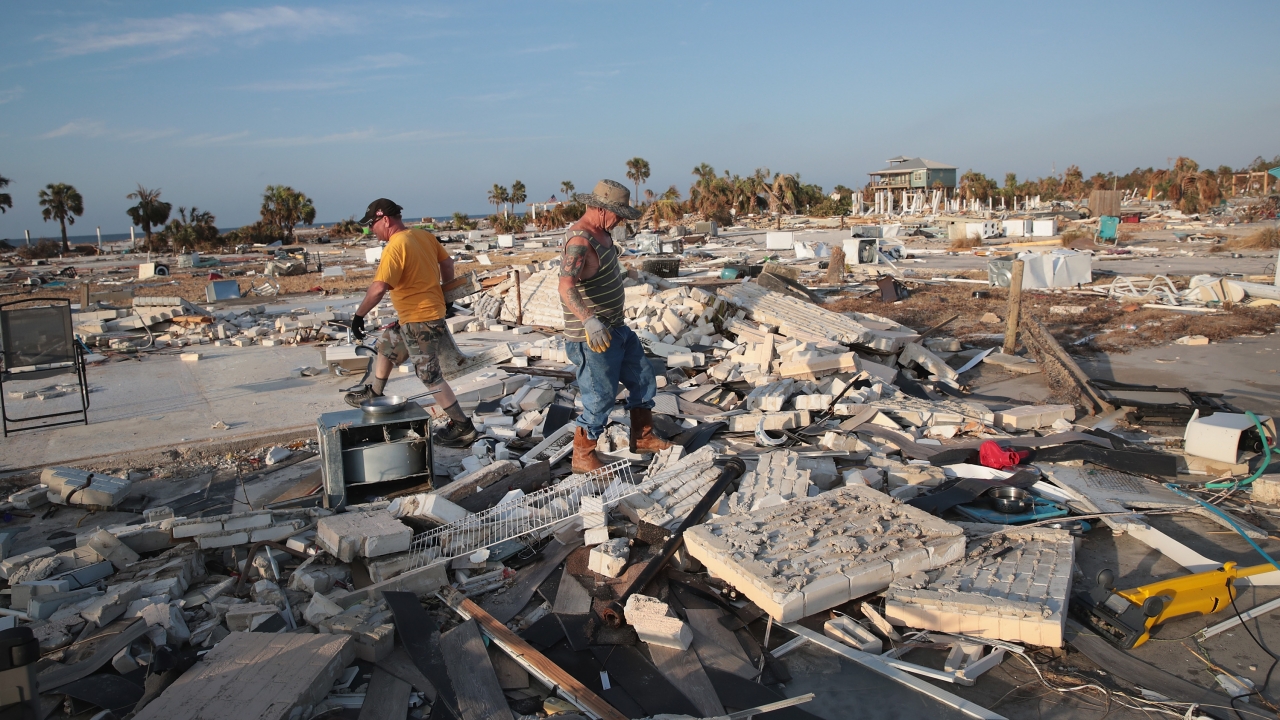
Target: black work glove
[(357, 327)]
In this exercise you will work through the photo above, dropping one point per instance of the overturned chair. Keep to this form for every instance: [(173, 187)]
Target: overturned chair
[(37, 342)]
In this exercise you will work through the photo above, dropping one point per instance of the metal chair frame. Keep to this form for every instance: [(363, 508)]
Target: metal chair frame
[(61, 365)]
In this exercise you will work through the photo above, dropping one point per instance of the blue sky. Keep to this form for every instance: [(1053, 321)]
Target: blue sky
[(430, 104)]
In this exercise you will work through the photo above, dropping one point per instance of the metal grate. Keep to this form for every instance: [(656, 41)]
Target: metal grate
[(1105, 479), (527, 515)]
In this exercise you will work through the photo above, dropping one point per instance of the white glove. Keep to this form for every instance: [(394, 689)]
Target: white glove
[(598, 336)]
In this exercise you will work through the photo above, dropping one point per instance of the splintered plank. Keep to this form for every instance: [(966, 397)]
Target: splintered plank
[(684, 671), (567, 686), (571, 597), (474, 681), (387, 697), (716, 645), (255, 676)]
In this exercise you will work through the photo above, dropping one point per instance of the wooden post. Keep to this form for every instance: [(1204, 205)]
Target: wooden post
[(835, 267), (519, 301), (1015, 309)]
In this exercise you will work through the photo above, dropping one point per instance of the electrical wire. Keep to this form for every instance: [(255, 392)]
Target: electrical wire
[(1275, 659)]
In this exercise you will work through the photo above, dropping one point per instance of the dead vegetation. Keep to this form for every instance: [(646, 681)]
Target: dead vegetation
[(1263, 239), (1103, 325), (965, 243), (191, 285)]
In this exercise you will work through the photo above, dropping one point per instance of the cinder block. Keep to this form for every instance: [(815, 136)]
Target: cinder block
[(609, 558), (1031, 417), (654, 624), (246, 616), (112, 605), (1266, 489), (364, 534), (110, 548), (772, 421), (428, 506), (78, 487), (30, 498)]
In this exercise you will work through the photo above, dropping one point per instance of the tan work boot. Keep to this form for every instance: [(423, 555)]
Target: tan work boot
[(642, 438), (584, 452)]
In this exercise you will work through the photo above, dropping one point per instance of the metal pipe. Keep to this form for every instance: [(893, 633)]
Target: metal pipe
[(732, 470), (253, 550)]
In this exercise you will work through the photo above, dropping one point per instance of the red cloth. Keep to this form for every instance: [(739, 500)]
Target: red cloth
[(992, 455)]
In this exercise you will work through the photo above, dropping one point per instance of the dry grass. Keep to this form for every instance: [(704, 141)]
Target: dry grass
[(1105, 325), (965, 243), (1264, 239)]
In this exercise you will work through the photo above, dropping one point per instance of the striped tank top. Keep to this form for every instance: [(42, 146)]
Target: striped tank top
[(602, 292)]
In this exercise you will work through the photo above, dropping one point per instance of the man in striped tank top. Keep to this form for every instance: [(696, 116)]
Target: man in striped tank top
[(602, 347)]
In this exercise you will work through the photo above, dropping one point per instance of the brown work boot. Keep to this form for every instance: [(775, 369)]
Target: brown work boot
[(584, 452), (642, 438)]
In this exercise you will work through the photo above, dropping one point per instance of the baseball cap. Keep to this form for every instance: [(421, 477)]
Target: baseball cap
[(381, 206)]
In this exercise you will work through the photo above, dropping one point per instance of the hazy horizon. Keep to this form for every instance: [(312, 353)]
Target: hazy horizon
[(431, 105)]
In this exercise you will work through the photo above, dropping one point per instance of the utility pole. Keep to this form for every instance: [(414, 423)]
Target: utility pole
[(99, 227)]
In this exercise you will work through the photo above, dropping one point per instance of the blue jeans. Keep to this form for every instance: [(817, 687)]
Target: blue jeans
[(599, 374)]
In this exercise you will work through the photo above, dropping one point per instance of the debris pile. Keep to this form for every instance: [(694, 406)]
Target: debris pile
[(830, 470)]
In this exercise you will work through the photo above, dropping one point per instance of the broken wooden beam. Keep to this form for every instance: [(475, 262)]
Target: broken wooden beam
[(530, 659), (1059, 368)]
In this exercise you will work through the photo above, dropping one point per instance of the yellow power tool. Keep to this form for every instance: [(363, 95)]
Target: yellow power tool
[(1126, 617)]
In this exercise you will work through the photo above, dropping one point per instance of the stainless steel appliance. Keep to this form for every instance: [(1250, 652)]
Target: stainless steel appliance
[(357, 448)]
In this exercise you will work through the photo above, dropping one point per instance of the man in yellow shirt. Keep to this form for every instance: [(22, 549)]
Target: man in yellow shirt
[(413, 267)]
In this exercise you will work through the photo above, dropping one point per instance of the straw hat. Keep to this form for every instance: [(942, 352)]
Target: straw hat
[(611, 196)]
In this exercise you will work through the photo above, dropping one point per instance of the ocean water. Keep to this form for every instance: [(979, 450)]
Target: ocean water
[(92, 238)]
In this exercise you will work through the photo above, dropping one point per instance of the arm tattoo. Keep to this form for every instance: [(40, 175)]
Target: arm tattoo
[(573, 300), (575, 257)]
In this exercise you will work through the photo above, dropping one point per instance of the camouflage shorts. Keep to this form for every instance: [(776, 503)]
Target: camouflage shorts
[(419, 344)]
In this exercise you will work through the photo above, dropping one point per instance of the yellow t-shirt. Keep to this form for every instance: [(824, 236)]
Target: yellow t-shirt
[(411, 266)]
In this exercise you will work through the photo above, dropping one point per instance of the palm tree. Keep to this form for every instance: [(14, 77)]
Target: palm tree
[(566, 189), (498, 196), (285, 207), (706, 180), (518, 195), (61, 202), (637, 172), (667, 207), (5, 200), (149, 211), (784, 195)]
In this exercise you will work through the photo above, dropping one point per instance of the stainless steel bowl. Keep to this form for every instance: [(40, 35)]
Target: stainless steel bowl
[(1010, 500)]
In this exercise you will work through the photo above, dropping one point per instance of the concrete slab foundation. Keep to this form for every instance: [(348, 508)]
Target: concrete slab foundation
[(815, 553)]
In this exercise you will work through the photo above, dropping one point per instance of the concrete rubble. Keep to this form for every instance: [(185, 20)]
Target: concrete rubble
[(867, 506)]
